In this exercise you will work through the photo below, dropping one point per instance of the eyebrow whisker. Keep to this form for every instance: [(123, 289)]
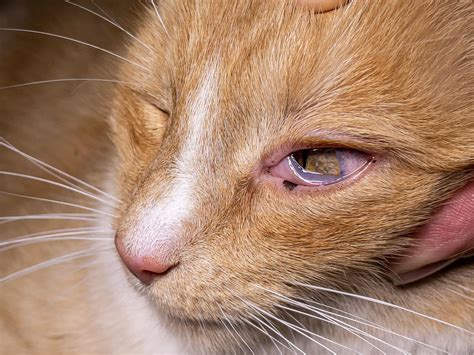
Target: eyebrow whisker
[(113, 23), (76, 41)]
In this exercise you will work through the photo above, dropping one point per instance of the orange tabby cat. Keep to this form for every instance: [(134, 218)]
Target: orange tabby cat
[(282, 179)]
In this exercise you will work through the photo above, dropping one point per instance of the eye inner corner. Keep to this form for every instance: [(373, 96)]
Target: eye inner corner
[(289, 185)]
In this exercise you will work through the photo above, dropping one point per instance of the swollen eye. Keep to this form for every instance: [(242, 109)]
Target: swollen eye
[(321, 166)]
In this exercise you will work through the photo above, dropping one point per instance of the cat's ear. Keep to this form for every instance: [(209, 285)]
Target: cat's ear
[(448, 236), (322, 5)]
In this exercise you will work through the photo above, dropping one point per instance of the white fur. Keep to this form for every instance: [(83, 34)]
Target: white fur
[(159, 223)]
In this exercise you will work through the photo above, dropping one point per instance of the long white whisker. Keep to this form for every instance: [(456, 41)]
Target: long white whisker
[(268, 324), (159, 17), (323, 318), (62, 80), (54, 183), (53, 237), (365, 322), (236, 332), (53, 231), (262, 330), (71, 231), (48, 263), (51, 216), (76, 41), (302, 327), (272, 328), (388, 304), (62, 239), (46, 167), (346, 326), (115, 24), (232, 335), (57, 202), (104, 12), (289, 325)]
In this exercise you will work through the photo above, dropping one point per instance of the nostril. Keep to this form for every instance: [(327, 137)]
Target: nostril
[(145, 268), (147, 276)]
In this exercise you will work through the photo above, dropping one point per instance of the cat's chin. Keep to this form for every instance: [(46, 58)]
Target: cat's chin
[(198, 335)]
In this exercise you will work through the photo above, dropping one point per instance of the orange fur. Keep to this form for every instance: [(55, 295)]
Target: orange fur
[(393, 79)]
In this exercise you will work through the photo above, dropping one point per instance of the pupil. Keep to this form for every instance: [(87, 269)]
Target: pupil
[(321, 161)]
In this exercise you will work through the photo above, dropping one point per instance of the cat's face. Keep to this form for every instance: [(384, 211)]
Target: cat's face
[(229, 92)]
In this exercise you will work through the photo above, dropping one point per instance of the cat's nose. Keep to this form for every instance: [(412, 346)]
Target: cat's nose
[(146, 267)]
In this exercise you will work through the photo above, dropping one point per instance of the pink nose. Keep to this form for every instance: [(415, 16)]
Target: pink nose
[(145, 268)]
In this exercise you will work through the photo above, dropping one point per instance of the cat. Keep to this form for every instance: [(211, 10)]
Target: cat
[(238, 177)]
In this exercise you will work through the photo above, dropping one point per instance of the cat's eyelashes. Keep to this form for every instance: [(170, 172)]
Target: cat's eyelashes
[(320, 166), (158, 102)]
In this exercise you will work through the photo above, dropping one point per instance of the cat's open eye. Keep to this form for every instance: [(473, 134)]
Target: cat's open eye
[(321, 166)]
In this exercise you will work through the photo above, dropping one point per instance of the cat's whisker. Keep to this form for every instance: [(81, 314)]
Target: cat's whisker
[(62, 80), (263, 331), (58, 202), (53, 237), (361, 320), (70, 232), (327, 319), (288, 324), (159, 17), (236, 332), (55, 261), (268, 325), (232, 335), (103, 12), (300, 331), (52, 216), (320, 336), (55, 171), (115, 24), (36, 241), (54, 183), (352, 329), (76, 41), (53, 231), (328, 315), (323, 312), (384, 303)]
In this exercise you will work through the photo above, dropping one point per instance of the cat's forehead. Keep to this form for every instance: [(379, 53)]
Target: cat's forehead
[(269, 53), (368, 69)]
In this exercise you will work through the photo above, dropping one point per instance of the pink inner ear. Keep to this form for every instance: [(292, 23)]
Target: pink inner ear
[(322, 5), (449, 235)]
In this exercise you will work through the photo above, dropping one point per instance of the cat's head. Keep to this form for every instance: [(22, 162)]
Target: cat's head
[(230, 100)]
